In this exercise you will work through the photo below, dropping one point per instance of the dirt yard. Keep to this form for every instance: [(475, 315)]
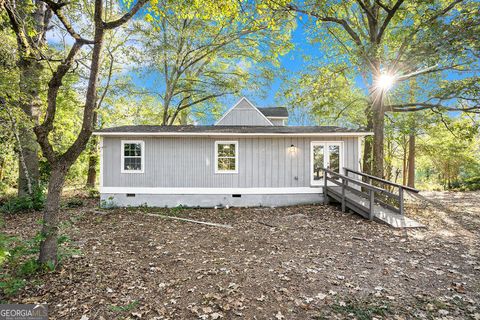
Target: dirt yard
[(307, 262)]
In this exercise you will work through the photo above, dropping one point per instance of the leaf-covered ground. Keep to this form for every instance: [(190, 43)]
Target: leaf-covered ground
[(306, 262)]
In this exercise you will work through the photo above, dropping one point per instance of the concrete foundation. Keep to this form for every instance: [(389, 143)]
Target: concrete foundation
[(208, 200)]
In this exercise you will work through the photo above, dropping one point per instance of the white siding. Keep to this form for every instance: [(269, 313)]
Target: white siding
[(189, 162), (243, 114)]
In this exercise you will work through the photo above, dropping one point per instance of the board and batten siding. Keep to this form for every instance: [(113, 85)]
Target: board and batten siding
[(188, 162), (244, 114)]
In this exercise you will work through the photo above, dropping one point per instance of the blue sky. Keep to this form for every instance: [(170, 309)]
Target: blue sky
[(293, 62)]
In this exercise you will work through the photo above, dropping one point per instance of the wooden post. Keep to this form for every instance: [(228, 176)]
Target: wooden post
[(325, 196), (372, 202), (400, 200), (343, 194), (367, 181)]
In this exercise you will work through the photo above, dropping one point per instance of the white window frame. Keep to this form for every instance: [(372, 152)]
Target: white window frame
[(142, 155), (325, 144), (216, 156)]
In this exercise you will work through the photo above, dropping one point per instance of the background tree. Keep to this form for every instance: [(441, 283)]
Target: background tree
[(60, 162), (194, 58), (385, 43), (30, 21), (449, 152), (8, 74)]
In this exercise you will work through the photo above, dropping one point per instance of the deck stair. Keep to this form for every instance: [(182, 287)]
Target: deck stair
[(371, 197)]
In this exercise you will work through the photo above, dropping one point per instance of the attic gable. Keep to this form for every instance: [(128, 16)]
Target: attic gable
[(244, 113)]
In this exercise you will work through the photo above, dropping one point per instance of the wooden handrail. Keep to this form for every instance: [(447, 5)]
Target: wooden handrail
[(360, 183), (335, 177), (382, 180)]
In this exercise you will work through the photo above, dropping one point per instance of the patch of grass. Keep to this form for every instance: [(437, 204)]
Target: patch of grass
[(132, 305), (362, 310), (74, 203), (93, 193), (175, 212), (98, 220)]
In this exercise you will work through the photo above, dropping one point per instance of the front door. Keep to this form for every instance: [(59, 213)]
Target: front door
[(325, 155)]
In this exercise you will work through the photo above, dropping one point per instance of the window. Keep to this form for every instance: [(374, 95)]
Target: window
[(226, 156), (132, 156)]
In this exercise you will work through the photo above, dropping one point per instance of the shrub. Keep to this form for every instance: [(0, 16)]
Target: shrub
[(18, 260), (108, 203), (471, 184), (25, 203)]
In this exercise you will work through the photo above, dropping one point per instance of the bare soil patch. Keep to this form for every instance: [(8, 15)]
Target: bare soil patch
[(306, 262)]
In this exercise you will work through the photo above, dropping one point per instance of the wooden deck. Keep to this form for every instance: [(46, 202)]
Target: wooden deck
[(370, 201)]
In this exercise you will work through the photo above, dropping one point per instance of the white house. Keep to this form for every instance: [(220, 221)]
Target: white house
[(250, 157)]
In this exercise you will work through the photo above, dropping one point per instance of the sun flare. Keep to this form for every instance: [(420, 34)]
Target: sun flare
[(385, 81)]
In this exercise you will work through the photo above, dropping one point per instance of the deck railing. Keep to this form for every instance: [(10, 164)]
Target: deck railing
[(374, 194)]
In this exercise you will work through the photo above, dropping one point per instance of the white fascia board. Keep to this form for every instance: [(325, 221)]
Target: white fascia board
[(277, 117), (218, 191), (233, 134)]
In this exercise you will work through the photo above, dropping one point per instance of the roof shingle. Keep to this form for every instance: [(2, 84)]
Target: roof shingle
[(274, 112), (228, 129)]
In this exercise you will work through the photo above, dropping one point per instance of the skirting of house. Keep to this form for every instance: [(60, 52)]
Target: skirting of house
[(209, 200)]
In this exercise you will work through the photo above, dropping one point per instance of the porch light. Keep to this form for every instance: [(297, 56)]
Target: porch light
[(292, 148)]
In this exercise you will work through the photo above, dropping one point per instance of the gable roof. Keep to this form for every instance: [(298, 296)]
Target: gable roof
[(279, 112), (244, 99), (190, 130)]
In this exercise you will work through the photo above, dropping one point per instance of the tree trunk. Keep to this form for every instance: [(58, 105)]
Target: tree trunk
[(411, 160), (92, 162), (2, 167), (388, 166), (404, 169), (92, 157), (60, 166), (368, 144), (48, 246), (30, 103), (61, 163), (378, 117), (92, 165)]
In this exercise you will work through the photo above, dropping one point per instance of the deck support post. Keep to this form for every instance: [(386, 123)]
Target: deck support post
[(343, 195), (372, 202), (325, 195), (400, 200)]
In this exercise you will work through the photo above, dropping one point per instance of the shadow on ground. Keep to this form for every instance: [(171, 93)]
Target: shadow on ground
[(306, 262)]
